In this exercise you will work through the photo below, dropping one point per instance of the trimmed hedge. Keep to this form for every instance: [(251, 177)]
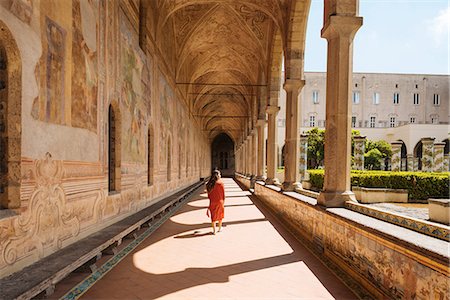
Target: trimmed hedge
[(420, 185)]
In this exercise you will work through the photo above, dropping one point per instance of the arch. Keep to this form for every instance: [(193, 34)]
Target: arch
[(169, 159), (403, 156), (10, 119), (150, 154), (447, 146), (114, 147), (222, 154), (418, 154)]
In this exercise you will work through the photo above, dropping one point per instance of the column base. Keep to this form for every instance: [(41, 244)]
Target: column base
[(291, 186), (335, 199), (272, 181)]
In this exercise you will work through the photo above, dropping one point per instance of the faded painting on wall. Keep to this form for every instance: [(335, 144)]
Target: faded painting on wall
[(166, 105), (84, 64), (135, 93), (50, 105)]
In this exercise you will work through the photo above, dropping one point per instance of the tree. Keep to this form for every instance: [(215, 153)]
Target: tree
[(383, 146), (316, 138), (372, 159)]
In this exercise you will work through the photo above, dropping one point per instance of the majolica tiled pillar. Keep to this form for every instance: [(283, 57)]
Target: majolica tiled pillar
[(272, 112), (439, 157), (340, 26), (292, 139), (410, 161), (396, 155), (446, 162), (427, 154), (303, 156), (416, 164), (260, 174), (358, 154)]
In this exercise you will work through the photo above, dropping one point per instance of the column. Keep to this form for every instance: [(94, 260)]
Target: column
[(439, 157), (359, 150), (260, 174), (339, 30), (396, 155), (427, 154), (416, 164), (410, 162), (272, 112), (292, 139), (446, 162), (303, 156), (254, 137)]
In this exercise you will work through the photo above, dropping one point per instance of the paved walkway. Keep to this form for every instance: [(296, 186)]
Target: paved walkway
[(253, 257)]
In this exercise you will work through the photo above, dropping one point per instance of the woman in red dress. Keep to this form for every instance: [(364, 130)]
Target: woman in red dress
[(216, 195)]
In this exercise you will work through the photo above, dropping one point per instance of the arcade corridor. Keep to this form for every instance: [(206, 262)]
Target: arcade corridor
[(253, 257)]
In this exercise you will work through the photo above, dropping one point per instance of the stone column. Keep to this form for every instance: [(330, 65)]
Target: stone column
[(396, 155), (358, 154), (260, 174), (244, 157), (339, 30), (416, 164), (427, 154), (303, 156), (272, 112), (292, 139), (410, 161), (439, 157), (446, 162), (254, 151)]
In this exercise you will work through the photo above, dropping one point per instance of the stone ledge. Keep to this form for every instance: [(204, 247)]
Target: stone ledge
[(380, 195), (439, 210)]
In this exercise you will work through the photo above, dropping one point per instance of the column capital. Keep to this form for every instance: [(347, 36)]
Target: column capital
[(427, 140), (341, 26), (304, 136), (291, 85), (270, 109), (359, 137), (439, 145), (261, 123), (396, 144)]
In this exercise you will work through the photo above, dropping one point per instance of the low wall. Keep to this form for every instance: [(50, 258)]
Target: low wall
[(439, 210), (385, 266), (380, 195)]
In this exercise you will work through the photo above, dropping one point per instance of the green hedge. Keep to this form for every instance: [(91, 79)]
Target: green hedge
[(420, 185)]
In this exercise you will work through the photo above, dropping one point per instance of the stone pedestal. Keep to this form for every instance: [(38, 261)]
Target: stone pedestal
[(272, 112), (292, 139), (339, 30), (396, 155), (303, 156), (358, 153), (410, 162), (427, 154), (439, 157)]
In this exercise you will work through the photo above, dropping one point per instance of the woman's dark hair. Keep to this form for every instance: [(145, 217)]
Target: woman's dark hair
[(212, 180)]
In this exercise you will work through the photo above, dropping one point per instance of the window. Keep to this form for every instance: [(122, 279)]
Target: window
[(150, 156), (376, 98), (372, 122), (113, 150), (353, 121), (417, 86), (355, 97), (396, 86), (315, 97), (392, 122), (312, 121), (436, 100), (412, 120), (416, 99), (396, 98)]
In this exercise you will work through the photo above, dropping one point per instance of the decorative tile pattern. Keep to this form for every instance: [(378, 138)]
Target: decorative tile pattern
[(433, 230)]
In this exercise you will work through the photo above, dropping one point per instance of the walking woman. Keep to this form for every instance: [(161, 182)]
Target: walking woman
[(216, 195)]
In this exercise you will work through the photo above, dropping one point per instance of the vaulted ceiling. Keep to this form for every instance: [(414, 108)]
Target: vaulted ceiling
[(228, 55)]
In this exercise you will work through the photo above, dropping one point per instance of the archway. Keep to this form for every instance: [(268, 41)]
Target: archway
[(418, 155), (222, 154), (403, 154)]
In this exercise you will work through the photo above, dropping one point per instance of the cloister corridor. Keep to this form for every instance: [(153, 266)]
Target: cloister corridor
[(253, 257)]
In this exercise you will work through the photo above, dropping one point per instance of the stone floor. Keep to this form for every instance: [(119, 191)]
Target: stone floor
[(253, 257)]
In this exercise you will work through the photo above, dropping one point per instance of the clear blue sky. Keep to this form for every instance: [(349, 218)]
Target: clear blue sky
[(397, 36)]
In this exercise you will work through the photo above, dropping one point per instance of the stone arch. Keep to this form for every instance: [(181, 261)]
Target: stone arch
[(150, 154), (222, 154), (10, 119), (169, 159), (114, 147), (418, 155), (447, 146), (403, 156)]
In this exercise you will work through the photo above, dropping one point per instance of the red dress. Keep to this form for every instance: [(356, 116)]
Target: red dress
[(216, 201)]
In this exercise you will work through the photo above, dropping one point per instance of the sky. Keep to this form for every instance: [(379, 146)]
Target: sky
[(397, 36)]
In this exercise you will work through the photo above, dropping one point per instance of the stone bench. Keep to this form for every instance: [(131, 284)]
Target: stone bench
[(43, 275), (439, 210), (380, 195)]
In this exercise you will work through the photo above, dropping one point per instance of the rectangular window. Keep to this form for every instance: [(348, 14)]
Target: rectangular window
[(436, 100), (372, 122), (396, 98), (412, 120), (392, 122), (312, 121), (416, 99), (353, 121), (315, 97), (376, 98), (355, 97)]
